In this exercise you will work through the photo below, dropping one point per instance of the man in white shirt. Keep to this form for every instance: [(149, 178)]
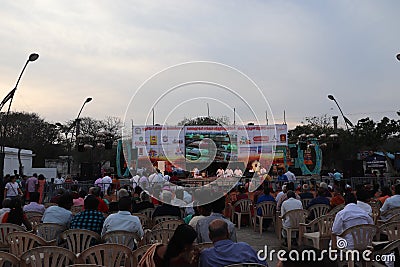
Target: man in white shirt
[(280, 194), (220, 172), (392, 202), (60, 214), (106, 181), (238, 172), (362, 199), (228, 172), (123, 220), (59, 180), (290, 175), (350, 216), (135, 181), (290, 204)]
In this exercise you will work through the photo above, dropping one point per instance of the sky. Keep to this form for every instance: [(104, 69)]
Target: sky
[(269, 56)]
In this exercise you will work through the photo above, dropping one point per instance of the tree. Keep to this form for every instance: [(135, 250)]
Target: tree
[(223, 120)]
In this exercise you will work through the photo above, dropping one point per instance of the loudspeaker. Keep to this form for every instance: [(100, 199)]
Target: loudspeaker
[(293, 152)]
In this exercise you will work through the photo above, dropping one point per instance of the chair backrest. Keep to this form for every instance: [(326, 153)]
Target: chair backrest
[(144, 220), (202, 246), (35, 220), (336, 209), (80, 239), (49, 204), (267, 208), (50, 231), (121, 237), (138, 254), (296, 217), (244, 204), (305, 202), (110, 255), (318, 210), (76, 209), (157, 236), (389, 248), (362, 235), (394, 218), (30, 214), (159, 219), (376, 212), (5, 230), (48, 257), (392, 230), (390, 213), (8, 260), (169, 224), (325, 224), (21, 242), (148, 212)]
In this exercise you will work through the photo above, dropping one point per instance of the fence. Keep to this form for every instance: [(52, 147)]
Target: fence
[(381, 181)]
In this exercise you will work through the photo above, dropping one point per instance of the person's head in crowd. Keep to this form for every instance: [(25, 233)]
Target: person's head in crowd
[(125, 204), (267, 190), (16, 213), (321, 192), (291, 194), (350, 198), (122, 193), (218, 230), (82, 193), (218, 205), (6, 203), (290, 186), (91, 203), (181, 241), (34, 196), (323, 185), (242, 189), (386, 191), (397, 189), (13, 179), (204, 209), (363, 195), (60, 191), (284, 188), (166, 197), (74, 188), (144, 196), (138, 190), (305, 188), (66, 201), (41, 177), (95, 190), (179, 193), (337, 191)]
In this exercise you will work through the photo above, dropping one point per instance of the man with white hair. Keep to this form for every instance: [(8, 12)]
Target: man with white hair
[(166, 208)]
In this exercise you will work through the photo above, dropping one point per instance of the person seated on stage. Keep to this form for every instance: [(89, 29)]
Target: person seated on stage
[(166, 208), (225, 251), (176, 253), (33, 205)]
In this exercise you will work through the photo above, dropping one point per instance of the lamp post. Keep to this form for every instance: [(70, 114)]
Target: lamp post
[(398, 57), (346, 120), (78, 120), (10, 96)]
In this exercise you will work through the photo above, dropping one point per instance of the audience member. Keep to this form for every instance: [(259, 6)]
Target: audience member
[(320, 199), (362, 198), (337, 198), (89, 219), (289, 187), (265, 197), (80, 201), (392, 202), (290, 204), (60, 214), (217, 207), (324, 186), (6, 204), (350, 216), (96, 192), (123, 220), (144, 203), (305, 192), (33, 205), (281, 193), (166, 208), (60, 192), (225, 251), (176, 253), (202, 211), (16, 214), (385, 194)]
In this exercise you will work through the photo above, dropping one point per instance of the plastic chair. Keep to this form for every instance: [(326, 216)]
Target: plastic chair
[(35, 220), (157, 236), (48, 257), (79, 239), (30, 214), (387, 250), (121, 237), (320, 231), (50, 231), (21, 242), (8, 260), (316, 211), (394, 218), (148, 212), (138, 254), (391, 230), (389, 213), (144, 220), (245, 209), (295, 218), (110, 255), (169, 224), (268, 209), (336, 209), (305, 202), (5, 230), (159, 219)]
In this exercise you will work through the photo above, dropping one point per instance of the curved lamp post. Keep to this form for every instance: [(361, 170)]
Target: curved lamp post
[(398, 57), (10, 96), (78, 120), (346, 120)]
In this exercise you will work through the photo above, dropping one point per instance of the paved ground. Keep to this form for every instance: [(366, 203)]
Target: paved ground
[(257, 241)]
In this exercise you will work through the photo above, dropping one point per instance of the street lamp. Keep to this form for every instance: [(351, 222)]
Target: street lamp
[(77, 120), (398, 57), (10, 96), (346, 120)]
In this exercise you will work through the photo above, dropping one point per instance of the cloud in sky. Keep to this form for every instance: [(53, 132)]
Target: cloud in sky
[(296, 51)]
